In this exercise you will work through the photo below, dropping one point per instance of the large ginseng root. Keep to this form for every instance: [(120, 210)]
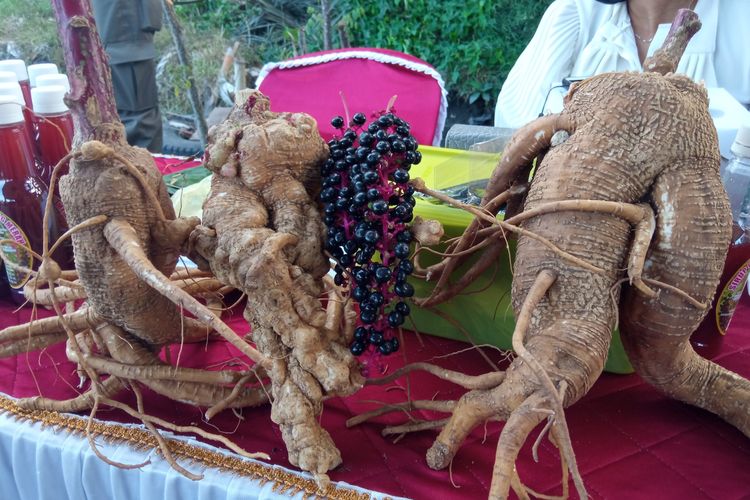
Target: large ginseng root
[(126, 241), (656, 330), (627, 178), (262, 233)]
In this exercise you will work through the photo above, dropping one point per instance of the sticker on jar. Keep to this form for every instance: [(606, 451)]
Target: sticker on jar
[(15, 254), (730, 296)]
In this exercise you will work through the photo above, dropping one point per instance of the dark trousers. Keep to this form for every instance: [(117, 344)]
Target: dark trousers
[(137, 102)]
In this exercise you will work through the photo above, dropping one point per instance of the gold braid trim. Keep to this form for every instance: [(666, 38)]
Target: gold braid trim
[(141, 439)]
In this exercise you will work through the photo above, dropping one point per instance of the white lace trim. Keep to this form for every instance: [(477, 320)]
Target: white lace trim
[(372, 56)]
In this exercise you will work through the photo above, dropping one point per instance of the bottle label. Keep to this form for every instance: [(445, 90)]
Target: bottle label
[(14, 254), (730, 296)]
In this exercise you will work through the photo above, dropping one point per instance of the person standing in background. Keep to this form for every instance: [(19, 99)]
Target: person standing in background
[(583, 38), (127, 30)]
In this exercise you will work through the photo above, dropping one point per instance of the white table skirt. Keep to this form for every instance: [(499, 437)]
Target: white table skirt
[(43, 463)]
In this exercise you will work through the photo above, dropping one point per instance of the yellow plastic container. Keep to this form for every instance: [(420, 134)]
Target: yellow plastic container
[(482, 312)]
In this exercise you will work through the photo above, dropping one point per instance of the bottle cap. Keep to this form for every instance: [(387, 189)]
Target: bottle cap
[(37, 70), (8, 77), (741, 144), (10, 111), (57, 79), (17, 66), (12, 89), (48, 100)]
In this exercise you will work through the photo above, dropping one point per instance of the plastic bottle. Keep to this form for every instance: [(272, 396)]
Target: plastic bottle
[(8, 77), (56, 79), (53, 137), (18, 67), (20, 201), (53, 126), (736, 178), (4, 287), (14, 89), (37, 70)]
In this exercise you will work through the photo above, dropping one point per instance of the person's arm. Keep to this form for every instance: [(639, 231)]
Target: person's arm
[(150, 15), (545, 61)]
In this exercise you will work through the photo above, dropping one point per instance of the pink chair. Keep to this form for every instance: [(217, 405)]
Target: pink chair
[(368, 78)]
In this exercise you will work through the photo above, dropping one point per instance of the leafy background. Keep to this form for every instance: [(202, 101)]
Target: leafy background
[(472, 44)]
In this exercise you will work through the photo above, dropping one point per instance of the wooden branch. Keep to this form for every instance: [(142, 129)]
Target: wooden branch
[(182, 55), (325, 12)]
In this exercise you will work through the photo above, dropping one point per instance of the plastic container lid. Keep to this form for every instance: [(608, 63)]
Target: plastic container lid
[(741, 144), (8, 77), (56, 79), (48, 100), (17, 66), (12, 89), (10, 111), (37, 70)]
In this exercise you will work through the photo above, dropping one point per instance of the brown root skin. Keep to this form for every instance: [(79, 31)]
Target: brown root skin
[(427, 232), (632, 138), (125, 285), (667, 57), (275, 155), (43, 296), (296, 408), (193, 388), (103, 186), (126, 239), (658, 346), (122, 237), (9, 349), (78, 321), (507, 184), (108, 387), (263, 234)]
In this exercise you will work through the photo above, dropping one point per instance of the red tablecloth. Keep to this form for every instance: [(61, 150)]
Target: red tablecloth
[(630, 441)]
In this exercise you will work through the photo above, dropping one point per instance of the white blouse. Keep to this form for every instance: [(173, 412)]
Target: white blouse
[(581, 38)]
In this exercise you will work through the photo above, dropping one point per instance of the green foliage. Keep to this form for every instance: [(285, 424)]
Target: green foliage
[(268, 29), (206, 51), (210, 15), (472, 44), (28, 31)]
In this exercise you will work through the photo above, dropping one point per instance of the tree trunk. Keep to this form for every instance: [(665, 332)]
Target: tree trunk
[(325, 12), (184, 58)]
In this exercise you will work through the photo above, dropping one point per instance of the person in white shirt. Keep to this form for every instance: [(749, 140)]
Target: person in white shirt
[(582, 38)]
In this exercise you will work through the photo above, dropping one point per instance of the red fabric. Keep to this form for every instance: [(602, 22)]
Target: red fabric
[(171, 164), (630, 441), (367, 87)]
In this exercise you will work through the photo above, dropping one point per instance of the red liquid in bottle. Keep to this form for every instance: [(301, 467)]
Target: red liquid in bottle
[(28, 114), (53, 125), (707, 339), (22, 198), (26, 89), (53, 137), (18, 67), (15, 89)]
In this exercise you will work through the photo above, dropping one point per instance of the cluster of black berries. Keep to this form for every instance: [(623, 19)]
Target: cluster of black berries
[(368, 204)]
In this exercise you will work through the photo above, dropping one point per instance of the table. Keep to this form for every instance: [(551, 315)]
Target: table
[(630, 441)]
